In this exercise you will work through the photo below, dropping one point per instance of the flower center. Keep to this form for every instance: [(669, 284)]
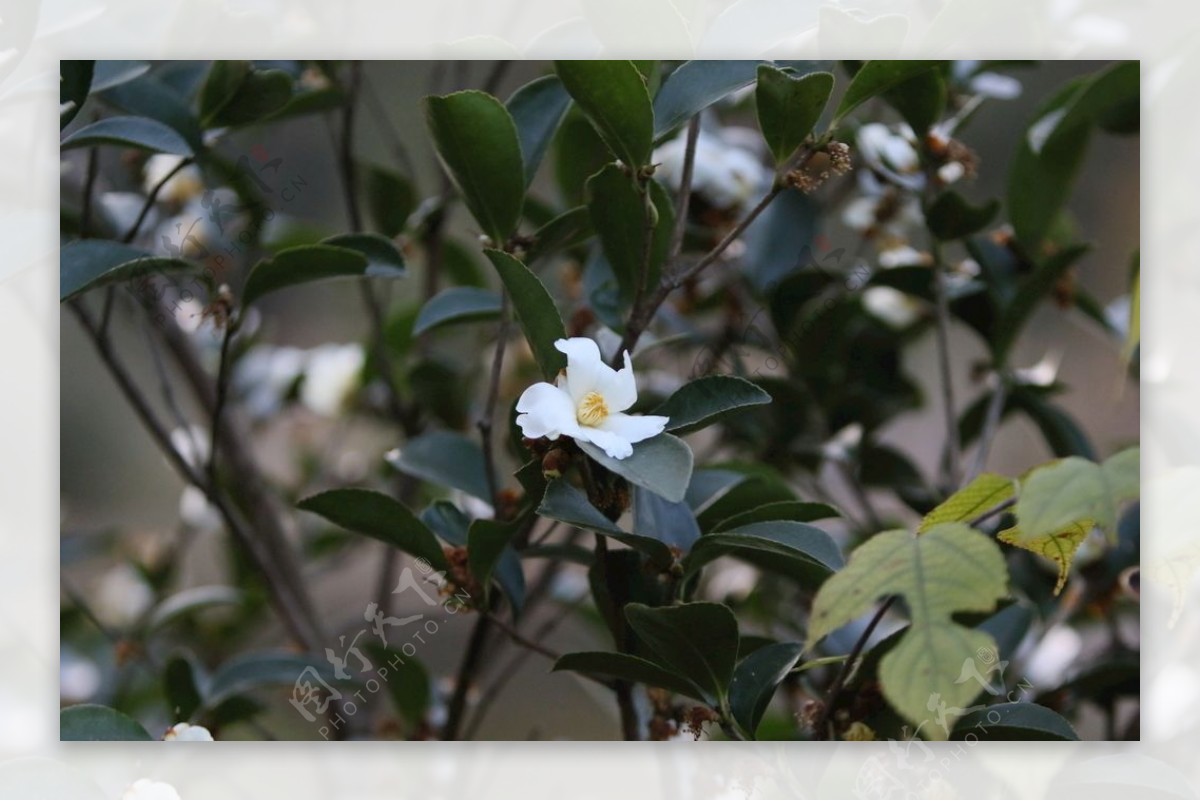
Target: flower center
[(592, 409)]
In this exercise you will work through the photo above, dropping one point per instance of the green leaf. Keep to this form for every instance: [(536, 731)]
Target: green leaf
[(186, 602), (258, 669), (1057, 546), (698, 641), (182, 679), (1134, 335), (476, 140), (147, 96), (407, 682), (380, 517), (661, 464), (391, 198), (984, 492), (1029, 293), (874, 78), (95, 722), (537, 108), (1061, 431), (920, 100), (789, 107), (235, 93), (702, 402), (802, 552), (627, 668), (696, 85), (311, 101), (565, 503), (755, 680), (490, 557), (622, 216), (613, 96), (1122, 471), (1089, 104), (950, 568), (445, 458), (344, 256), (563, 232), (951, 217), (90, 263), (136, 132), (795, 511), (535, 310), (458, 304), (74, 84), (1013, 722), (672, 522), (1061, 493)]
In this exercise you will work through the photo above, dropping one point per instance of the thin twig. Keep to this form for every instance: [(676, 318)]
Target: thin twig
[(465, 677), (995, 510), (151, 198), (942, 305), (222, 392), (821, 729), (521, 639), (484, 423), (684, 196), (991, 423)]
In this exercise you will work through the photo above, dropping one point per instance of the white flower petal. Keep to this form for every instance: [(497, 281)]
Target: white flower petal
[(635, 427), (584, 365), (547, 411), (610, 442), (618, 387)]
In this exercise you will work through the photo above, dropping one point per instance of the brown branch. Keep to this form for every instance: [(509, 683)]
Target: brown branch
[(484, 423)]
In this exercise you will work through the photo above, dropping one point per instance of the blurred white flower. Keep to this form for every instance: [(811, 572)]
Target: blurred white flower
[(883, 209), (186, 732), (732, 581), (986, 84), (264, 376), (902, 255), (1042, 374), (196, 512), (122, 597), (839, 446), (1118, 315), (891, 306), (1047, 665), (78, 677), (192, 445), (726, 172), (121, 210), (331, 376), (150, 790), (891, 151), (951, 171), (587, 403), (181, 187)]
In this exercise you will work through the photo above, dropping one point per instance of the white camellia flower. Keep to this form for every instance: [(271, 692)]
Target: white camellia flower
[(186, 732), (725, 172), (587, 403), (331, 376), (122, 597), (891, 306), (180, 187)]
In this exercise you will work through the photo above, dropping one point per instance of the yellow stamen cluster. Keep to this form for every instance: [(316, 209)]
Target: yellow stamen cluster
[(592, 410)]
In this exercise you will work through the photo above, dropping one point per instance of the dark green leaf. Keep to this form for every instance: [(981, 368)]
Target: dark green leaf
[(661, 464), (458, 304), (137, 132), (181, 685), (952, 217), (477, 142), (1061, 431), (74, 83), (148, 96), (877, 77), (1013, 722), (696, 85), (1112, 88), (537, 108), (613, 95), (380, 517), (623, 216), (561, 233), (95, 722), (235, 93), (185, 602), (257, 669), (391, 198), (628, 668), (565, 503), (655, 517), (702, 402), (445, 458), (384, 259), (407, 682), (698, 641), (108, 74), (1030, 292), (755, 680), (447, 521), (797, 550), (796, 511), (920, 100), (789, 107), (490, 557), (779, 242), (91, 263), (535, 309), (301, 265)]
